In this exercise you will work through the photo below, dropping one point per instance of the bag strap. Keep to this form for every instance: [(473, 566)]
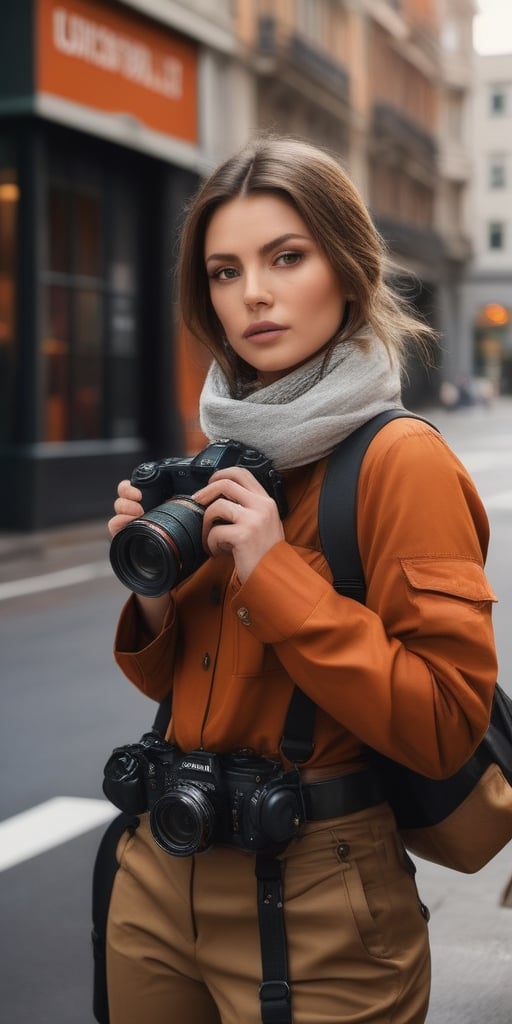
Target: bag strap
[(337, 526), (274, 991), (337, 509)]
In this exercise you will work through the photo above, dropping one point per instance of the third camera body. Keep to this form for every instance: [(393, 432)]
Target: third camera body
[(199, 799)]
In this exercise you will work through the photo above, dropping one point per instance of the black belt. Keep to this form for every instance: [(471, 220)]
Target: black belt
[(346, 794)]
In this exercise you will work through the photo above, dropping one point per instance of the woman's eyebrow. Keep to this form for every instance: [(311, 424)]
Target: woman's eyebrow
[(264, 249)]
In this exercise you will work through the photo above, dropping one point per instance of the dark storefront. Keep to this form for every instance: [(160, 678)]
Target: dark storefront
[(88, 230)]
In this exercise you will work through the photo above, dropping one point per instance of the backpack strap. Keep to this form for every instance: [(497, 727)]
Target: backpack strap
[(337, 525), (337, 508)]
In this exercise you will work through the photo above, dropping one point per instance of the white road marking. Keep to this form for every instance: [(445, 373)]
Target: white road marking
[(52, 580), (49, 824)]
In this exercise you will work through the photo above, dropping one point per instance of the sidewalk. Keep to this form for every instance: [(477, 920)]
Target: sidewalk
[(61, 547), (471, 940)]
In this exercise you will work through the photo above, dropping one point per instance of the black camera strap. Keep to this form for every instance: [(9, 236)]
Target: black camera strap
[(274, 989), (275, 993), (163, 715)]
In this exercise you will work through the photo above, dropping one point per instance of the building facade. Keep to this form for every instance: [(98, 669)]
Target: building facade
[(453, 216), (487, 307)]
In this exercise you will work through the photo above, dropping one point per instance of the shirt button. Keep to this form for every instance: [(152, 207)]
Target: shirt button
[(243, 615), (206, 660)]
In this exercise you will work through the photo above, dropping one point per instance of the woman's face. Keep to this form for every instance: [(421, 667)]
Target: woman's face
[(276, 295)]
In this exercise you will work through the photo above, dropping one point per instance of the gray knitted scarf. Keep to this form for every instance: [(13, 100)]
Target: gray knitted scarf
[(302, 417)]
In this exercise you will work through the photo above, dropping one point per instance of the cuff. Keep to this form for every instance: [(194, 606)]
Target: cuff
[(280, 595), (144, 659)]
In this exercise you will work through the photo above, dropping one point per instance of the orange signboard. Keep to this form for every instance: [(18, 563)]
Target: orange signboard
[(117, 62)]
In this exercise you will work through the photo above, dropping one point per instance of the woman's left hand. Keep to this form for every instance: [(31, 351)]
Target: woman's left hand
[(240, 517)]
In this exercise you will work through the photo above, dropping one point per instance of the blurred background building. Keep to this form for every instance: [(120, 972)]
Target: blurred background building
[(110, 113), (487, 308)]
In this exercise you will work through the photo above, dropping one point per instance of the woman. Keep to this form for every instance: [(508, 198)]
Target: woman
[(282, 277)]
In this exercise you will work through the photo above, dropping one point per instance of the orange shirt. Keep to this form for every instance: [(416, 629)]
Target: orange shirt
[(410, 673)]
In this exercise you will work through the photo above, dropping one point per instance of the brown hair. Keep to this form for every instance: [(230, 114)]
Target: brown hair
[(324, 196)]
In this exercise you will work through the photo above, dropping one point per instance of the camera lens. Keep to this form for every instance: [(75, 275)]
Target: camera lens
[(154, 553), (144, 553), (182, 821)]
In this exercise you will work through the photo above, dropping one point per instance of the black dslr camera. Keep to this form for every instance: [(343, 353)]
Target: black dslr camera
[(198, 799), (154, 553)]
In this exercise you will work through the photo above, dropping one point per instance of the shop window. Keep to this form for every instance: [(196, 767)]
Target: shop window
[(56, 352), (89, 345), (9, 200), (72, 389), (122, 314), (87, 368), (88, 251), (59, 215)]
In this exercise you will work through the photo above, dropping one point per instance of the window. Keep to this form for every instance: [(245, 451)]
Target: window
[(73, 336), (9, 201), (89, 344), (496, 235), (498, 99), (497, 172)]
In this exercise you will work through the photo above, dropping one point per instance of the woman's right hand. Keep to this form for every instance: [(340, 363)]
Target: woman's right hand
[(127, 507)]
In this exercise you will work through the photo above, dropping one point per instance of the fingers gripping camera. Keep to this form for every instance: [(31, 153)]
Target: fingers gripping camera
[(164, 546)]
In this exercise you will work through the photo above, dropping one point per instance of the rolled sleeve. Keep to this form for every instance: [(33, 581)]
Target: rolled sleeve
[(146, 661)]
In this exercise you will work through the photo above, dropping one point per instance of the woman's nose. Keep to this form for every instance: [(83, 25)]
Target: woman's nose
[(256, 292)]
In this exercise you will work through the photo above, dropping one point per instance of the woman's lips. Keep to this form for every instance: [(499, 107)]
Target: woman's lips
[(265, 330)]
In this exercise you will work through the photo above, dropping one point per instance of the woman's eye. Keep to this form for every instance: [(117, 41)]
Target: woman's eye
[(288, 259), (224, 273)]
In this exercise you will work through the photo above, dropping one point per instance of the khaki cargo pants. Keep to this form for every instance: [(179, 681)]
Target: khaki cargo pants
[(183, 938)]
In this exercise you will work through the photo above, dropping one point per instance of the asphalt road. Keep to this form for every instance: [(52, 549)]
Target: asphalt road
[(65, 705)]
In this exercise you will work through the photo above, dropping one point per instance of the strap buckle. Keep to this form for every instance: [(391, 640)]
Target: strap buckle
[(275, 1002)]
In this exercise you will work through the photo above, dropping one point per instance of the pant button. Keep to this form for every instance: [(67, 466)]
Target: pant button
[(342, 851)]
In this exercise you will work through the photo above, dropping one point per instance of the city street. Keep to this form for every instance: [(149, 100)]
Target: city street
[(65, 705)]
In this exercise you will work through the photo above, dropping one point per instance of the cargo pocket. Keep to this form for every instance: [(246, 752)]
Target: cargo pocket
[(456, 577)]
